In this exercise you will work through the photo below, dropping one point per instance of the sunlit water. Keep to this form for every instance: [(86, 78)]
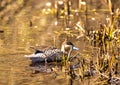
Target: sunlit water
[(15, 42)]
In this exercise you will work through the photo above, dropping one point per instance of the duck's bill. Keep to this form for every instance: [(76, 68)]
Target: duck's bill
[(75, 48)]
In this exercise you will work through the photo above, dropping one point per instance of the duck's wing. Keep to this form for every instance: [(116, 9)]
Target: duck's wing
[(51, 51), (35, 55), (53, 55), (39, 57)]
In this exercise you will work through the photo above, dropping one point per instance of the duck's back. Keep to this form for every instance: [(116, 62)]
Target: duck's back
[(53, 54)]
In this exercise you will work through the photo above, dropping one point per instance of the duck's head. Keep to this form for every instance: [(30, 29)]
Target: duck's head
[(67, 46)]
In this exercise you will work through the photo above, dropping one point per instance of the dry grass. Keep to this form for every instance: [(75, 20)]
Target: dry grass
[(96, 63)]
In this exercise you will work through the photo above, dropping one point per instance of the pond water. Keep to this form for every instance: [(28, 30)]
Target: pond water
[(14, 68), (15, 42), (38, 29)]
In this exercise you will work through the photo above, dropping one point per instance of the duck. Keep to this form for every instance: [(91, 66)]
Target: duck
[(52, 54)]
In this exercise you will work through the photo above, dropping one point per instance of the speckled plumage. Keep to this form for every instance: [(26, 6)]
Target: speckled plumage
[(50, 55)]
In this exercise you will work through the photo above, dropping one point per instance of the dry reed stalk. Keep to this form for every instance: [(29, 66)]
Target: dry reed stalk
[(110, 6)]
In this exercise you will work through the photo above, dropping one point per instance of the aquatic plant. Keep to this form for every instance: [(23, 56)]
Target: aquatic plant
[(103, 62)]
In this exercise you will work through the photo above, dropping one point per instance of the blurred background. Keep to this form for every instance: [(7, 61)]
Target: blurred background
[(25, 23)]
